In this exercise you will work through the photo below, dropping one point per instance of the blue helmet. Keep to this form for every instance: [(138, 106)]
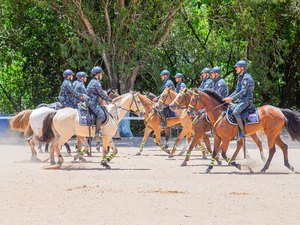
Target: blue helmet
[(179, 75), (81, 74), (242, 63), (68, 73), (165, 72), (96, 70), (205, 70), (216, 69)]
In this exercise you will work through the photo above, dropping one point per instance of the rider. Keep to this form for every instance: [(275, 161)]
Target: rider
[(243, 94), (78, 85), (167, 82), (219, 83), (207, 82), (180, 85), (94, 90), (67, 93)]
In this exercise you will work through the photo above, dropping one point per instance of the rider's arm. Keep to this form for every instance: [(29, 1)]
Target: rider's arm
[(102, 94), (72, 91)]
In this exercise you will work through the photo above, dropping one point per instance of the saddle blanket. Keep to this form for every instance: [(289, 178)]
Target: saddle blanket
[(88, 118), (249, 116)]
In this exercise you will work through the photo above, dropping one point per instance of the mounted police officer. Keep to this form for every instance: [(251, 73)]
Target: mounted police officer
[(78, 85), (94, 90), (207, 82), (242, 95), (67, 93), (219, 83), (179, 83), (167, 82)]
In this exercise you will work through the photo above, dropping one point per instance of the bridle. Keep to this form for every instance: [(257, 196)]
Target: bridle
[(178, 103), (133, 102)]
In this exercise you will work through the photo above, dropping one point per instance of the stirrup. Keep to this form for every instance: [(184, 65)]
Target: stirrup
[(163, 126)]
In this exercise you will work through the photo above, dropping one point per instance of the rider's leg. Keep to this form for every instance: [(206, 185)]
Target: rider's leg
[(237, 114), (163, 119)]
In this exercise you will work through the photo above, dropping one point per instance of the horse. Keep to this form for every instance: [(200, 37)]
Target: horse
[(165, 100), (272, 121), (200, 126), (152, 122), (60, 126), (30, 122)]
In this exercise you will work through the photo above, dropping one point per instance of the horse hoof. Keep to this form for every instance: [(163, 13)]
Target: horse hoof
[(219, 163), (98, 149), (35, 159), (166, 151), (263, 171), (204, 157), (240, 167), (83, 160), (171, 156), (166, 146), (107, 167), (184, 163), (52, 163), (207, 170), (292, 168), (138, 153), (60, 161)]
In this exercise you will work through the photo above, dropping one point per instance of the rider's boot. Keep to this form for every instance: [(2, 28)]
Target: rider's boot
[(98, 130), (241, 133)]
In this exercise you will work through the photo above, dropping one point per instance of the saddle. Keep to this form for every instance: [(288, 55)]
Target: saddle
[(87, 117), (54, 105), (169, 113), (249, 115)]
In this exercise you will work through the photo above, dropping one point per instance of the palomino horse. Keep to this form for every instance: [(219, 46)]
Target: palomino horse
[(200, 126), (165, 100), (152, 122), (60, 126), (31, 121), (272, 121)]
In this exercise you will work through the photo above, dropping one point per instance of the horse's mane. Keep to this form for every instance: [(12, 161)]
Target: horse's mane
[(215, 95)]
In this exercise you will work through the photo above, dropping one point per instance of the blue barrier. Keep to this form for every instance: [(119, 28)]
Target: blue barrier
[(4, 125)]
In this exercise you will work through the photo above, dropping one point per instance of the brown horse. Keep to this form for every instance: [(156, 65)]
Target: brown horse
[(166, 98), (152, 122), (272, 121), (200, 126)]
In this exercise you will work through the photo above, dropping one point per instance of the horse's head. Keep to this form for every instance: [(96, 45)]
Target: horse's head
[(181, 101), (195, 103), (166, 98), (137, 107)]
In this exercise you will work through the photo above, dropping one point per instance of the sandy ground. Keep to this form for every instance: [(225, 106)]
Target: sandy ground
[(147, 189)]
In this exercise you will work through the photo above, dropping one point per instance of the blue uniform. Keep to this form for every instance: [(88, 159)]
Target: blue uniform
[(180, 85), (206, 83), (67, 94), (167, 83), (79, 87), (220, 86), (94, 90), (243, 94)]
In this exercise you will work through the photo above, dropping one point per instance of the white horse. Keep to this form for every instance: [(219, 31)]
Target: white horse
[(31, 122), (60, 126)]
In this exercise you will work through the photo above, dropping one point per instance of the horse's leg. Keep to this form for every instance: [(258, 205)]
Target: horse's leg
[(47, 147), (157, 133), (284, 149), (194, 141), (167, 133), (32, 142), (68, 148), (217, 142), (51, 150), (114, 150), (239, 145), (224, 147), (39, 147), (178, 139), (259, 145), (272, 150), (147, 132), (104, 160)]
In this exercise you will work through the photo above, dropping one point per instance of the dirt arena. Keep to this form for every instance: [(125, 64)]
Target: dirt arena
[(148, 189)]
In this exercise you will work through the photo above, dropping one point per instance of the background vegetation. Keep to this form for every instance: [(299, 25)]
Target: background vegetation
[(134, 39)]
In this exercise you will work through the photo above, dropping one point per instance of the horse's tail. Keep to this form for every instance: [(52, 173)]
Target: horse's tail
[(20, 122), (47, 132), (292, 123)]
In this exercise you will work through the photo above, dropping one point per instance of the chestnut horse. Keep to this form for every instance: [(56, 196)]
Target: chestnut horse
[(186, 121), (272, 121), (152, 122), (200, 126)]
